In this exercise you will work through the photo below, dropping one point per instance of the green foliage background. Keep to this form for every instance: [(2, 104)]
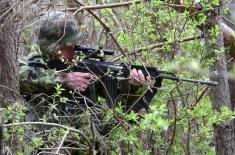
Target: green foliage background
[(178, 122)]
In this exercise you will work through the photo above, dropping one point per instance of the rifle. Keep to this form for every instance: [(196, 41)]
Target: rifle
[(94, 62), (94, 53)]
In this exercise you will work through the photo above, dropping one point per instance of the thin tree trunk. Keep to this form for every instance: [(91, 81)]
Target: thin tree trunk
[(9, 84), (223, 132)]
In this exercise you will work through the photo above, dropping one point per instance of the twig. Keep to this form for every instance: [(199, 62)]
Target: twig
[(48, 124), (188, 138), (184, 25), (120, 120), (175, 120), (10, 89), (122, 4), (6, 12), (204, 90), (62, 141), (170, 43), (116, 21), (50, 153), (108, 30), (182, 97), (64, 148), (113, 5), (32, 2), (153, 46)]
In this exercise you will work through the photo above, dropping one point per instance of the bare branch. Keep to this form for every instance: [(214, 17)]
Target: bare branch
[(49, 124), (108, 30), (153, 46), (122, 4), (62, 141)]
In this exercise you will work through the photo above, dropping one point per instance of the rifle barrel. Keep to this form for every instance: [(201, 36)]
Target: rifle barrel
[(210, 83)]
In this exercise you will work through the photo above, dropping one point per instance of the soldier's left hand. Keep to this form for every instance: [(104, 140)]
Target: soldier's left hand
[(137, 78)]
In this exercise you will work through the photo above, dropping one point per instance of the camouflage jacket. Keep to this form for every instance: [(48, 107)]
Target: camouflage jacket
[(36, 79)]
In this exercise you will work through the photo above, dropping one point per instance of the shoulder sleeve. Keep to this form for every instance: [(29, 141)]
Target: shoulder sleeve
[(36, 80)]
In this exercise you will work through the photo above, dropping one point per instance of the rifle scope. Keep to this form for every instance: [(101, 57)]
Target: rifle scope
[(89, 50)]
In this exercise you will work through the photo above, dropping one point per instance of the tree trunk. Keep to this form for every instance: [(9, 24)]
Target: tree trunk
[(223, 132), (8, 68), (9, 84), (231, 82)]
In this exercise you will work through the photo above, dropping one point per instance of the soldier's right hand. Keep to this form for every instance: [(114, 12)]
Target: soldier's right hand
[(77, 80)]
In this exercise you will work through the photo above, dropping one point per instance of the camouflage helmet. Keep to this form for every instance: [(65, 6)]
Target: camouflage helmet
[(55, 30)]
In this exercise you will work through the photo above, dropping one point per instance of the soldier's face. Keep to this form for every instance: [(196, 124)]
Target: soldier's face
[(68, 52)]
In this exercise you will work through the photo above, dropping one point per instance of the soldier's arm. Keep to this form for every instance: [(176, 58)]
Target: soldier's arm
[(37, 80)]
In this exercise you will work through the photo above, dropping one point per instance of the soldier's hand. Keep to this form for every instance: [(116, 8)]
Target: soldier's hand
[(137, 78), (77, 80)]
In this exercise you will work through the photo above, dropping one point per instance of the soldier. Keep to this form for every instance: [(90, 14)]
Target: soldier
[(57, 33)]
